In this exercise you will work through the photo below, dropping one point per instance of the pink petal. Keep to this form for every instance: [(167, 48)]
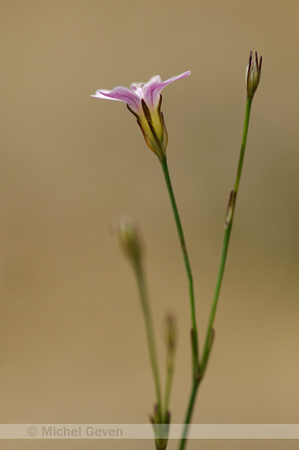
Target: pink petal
[(152, 89), (121, 94)]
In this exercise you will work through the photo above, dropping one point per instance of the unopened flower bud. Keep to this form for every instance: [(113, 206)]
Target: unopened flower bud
[(253, 74), (170, 332), (129, 237)]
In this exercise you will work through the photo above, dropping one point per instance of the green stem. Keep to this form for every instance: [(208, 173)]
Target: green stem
[(244, 139), (227, 232), (169, 379), (195, 386), (149, 332), (187, 264), (206, 351)]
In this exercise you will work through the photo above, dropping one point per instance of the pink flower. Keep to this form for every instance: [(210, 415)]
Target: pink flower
[(144, 101)]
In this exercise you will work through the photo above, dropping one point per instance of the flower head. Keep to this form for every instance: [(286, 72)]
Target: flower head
[(253, 74), (144, 101)]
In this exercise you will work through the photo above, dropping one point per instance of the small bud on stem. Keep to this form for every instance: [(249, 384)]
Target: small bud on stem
[(170, 332), (129, 237), (253, 74)]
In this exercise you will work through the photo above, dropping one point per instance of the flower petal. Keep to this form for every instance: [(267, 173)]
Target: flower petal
[(152, 89), (121, 94)]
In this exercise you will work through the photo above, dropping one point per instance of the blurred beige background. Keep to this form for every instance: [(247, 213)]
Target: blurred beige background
[(72, 342)]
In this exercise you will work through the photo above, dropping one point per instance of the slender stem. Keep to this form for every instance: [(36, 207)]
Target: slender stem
[(186, 261), (206, 351), (244, 139), (227, 232), (169, 379), (195, 386), (149, 331)]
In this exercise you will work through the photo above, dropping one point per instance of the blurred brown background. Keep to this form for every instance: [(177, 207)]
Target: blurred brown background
[(72, 341)]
